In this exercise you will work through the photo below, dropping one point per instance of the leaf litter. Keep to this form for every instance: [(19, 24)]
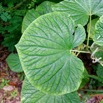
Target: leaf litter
[(10, 83)]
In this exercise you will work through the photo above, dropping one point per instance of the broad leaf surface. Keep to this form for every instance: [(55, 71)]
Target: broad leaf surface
[(14, 63), (45, 54), (80, 10), (31, 95), (98, 37)]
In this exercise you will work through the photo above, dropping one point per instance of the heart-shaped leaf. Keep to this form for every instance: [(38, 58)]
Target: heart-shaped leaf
[(31, 95), (45, 51), (98, 37), (80, 10)]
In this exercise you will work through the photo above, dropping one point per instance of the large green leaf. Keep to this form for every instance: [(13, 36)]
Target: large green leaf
[(31, 95), (14, 63), (98, 37), (80, 10), (45, 53)]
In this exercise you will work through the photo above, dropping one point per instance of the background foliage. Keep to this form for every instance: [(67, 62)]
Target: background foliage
[(17, 14), (11, 16)]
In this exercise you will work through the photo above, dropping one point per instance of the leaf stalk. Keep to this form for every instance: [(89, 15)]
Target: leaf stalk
[(78, 51), (89, 32)]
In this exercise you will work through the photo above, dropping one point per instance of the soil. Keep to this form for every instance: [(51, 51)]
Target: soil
[(10, 83)]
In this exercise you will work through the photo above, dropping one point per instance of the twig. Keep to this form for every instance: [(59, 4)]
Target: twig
[(17, 6)]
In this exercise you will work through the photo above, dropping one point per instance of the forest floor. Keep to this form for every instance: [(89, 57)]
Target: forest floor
[(10, 83)]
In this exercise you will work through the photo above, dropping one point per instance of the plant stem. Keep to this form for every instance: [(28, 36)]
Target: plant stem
[(80, 51), (89, 32), (96, 91), (17, 6), (92, 45), (95, 77)]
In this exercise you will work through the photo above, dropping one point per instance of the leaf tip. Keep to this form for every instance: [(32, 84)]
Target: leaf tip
[(16, 46)]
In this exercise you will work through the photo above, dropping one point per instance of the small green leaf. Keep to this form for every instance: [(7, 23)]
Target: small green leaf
[(100, 71), (30, 16), (45, 53), (31, 95), (85, 79), (99, 54), (79, 36), (5, 16), (80, 10), (98, 37), (44, 7), (92, 30), (14, 62)]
